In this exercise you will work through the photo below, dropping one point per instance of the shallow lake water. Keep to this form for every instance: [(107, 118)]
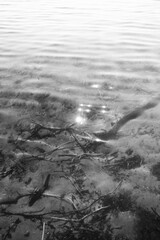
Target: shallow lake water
[(103, 55), (80, 49)]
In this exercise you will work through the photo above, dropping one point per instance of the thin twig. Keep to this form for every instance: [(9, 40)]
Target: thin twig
[(43, 232), (29, 214), (76, 187), (21, 140), (60, 147), (155, 212), (62, 198), (54, 129), (81, 219), (81, 155), (103, 196), (79, 144)]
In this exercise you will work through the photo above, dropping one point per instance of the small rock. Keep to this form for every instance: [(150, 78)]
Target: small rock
[(27, 233), (28, 181)]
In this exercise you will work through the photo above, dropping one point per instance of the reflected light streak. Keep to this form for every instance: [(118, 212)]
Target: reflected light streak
[(110, 87), (80, 120), (103, 111), (87, 110), (95, 86), (98, 140)]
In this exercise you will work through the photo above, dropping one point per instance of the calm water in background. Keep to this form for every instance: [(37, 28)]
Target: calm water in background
[(86, 50)]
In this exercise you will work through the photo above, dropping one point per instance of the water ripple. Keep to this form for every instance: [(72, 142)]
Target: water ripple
[(87, 43)]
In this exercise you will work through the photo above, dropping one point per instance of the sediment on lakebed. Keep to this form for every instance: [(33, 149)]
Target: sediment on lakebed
[(58, 182)]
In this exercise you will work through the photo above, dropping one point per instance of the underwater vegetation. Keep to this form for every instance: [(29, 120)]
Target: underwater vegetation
[(58, 182)]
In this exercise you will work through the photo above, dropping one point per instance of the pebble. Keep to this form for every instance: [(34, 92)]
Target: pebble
[(27, 233)]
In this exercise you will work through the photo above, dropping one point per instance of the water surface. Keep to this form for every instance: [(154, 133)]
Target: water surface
[(80, 48)]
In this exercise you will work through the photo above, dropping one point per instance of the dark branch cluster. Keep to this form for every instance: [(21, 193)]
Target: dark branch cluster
[(61, 155)]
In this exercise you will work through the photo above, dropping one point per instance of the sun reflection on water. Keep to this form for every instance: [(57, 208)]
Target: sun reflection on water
[(95, 86), (81, 117), (103, 111), (85, 112), (80, 120)]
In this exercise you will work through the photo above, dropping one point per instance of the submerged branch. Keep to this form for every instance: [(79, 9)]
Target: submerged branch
[(38, 193), (81, 219), (106, 135), (11, 200)]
